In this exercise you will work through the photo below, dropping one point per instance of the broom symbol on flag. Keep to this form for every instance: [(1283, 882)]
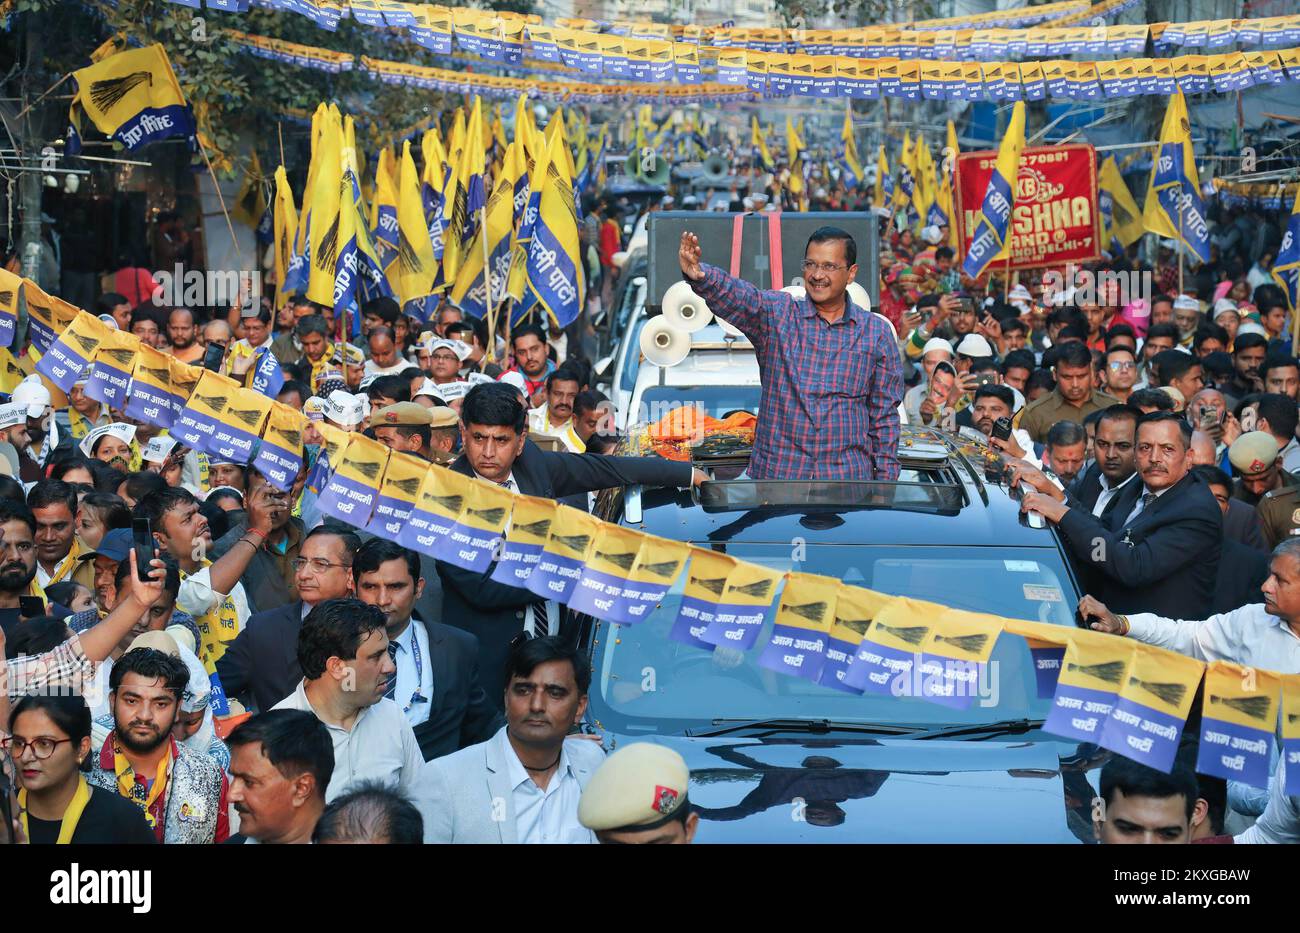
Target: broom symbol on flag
[(408, 487), (107, 94), (911, 634), (714, 585), (120, 357), (408, 260), (450, 503), (248, 416), (87, 344), (367, 468), (619, 560), (1110, 672), (7, 298), (160, 376), (971, 644), (1169, 693), (216, 402), (665, 569), (487, 516), (758, 588), (813, 612), (537, 529), (856, 625), (572, 542), (1254, 707), (292, 438)]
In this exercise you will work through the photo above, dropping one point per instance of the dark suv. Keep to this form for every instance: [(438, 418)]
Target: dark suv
[(781, 759)]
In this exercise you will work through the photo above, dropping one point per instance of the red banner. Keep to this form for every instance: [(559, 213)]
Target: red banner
[(1054, 220)]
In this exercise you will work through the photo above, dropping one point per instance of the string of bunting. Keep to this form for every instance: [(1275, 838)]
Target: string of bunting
[(1131, 698), (777, 75), (507, 37)]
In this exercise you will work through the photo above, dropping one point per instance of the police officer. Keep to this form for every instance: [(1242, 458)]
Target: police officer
[(1256, 459), (411, 428), (638, 796)]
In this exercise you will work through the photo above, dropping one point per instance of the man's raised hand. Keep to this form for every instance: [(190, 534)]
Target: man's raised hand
[(689, 256)]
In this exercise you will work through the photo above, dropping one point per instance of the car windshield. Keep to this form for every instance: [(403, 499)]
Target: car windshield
[(627, 380), (646, 681), (717, 401)]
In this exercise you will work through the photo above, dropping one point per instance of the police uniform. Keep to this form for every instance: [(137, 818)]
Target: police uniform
[(1038, 417), (639, 788), (1279, 514), (1252, 454)]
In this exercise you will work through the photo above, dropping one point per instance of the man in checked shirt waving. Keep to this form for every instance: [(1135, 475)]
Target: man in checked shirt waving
[(831, 371)]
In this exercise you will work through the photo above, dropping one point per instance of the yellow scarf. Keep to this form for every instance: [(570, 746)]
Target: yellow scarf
[(66, 566), (71, 816), (80, 424), (126, 783), (217, 627)]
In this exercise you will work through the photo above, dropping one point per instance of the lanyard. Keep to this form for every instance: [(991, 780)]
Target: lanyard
[(71, 816), (419, 670)]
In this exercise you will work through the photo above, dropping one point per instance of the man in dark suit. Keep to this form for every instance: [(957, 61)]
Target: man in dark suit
[(436, 682), (497, 449), (1158, 550), (1098, 487), (260, 666), (1242, 569)]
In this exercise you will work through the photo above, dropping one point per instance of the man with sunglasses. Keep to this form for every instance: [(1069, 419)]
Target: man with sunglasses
[(261, 665), (831, 371)]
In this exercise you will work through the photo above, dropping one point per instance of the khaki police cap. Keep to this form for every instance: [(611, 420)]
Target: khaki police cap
[(443, 417), (1253, 452), (639, 787), (403, 413)]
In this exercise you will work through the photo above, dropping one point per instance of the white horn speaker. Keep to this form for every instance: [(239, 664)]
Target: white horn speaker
[(798, 291), (683, 309), (731, 330), (662, 344), (859, 296)]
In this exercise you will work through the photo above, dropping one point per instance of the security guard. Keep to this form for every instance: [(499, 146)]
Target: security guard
[(444, 431), (638, 796), (1279, 513), (1256, 459)]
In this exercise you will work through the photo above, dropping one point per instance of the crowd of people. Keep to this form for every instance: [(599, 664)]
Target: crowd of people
[(275, 676)]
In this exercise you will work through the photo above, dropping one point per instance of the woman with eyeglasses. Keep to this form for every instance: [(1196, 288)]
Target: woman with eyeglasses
[(56, 805)]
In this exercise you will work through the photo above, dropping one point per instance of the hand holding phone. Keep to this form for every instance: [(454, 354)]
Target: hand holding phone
[(142, 543), (31, 607), (213, 356)]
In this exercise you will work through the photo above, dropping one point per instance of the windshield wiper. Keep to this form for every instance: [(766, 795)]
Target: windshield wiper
[(1002, 727), (811, 726)]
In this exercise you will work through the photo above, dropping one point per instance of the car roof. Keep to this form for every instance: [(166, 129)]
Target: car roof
[(738, 367), (946, 499)]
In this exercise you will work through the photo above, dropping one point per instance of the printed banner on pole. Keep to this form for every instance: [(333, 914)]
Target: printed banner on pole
[(1054, 220), (279, 455)]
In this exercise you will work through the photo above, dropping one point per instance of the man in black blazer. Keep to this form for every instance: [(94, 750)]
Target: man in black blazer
[(1158, 550), (436, 682), (497, 449), (260, 666), (1114, 467)]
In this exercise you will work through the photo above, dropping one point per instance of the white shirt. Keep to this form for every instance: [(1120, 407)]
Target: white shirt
[(544, 816), (407, 682), (1280, 822), (1248, 636), (1109, 492), (380, 746), (1290, 455), (43, 578), (198, 598), (1139, 506), (373, 369), (539, 422)]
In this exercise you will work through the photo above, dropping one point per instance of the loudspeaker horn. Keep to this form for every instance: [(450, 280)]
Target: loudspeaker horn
[(660, 173), (859, 296), (731, 330), (798, 291), (662, 344), (716, 170), (685, 310)]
